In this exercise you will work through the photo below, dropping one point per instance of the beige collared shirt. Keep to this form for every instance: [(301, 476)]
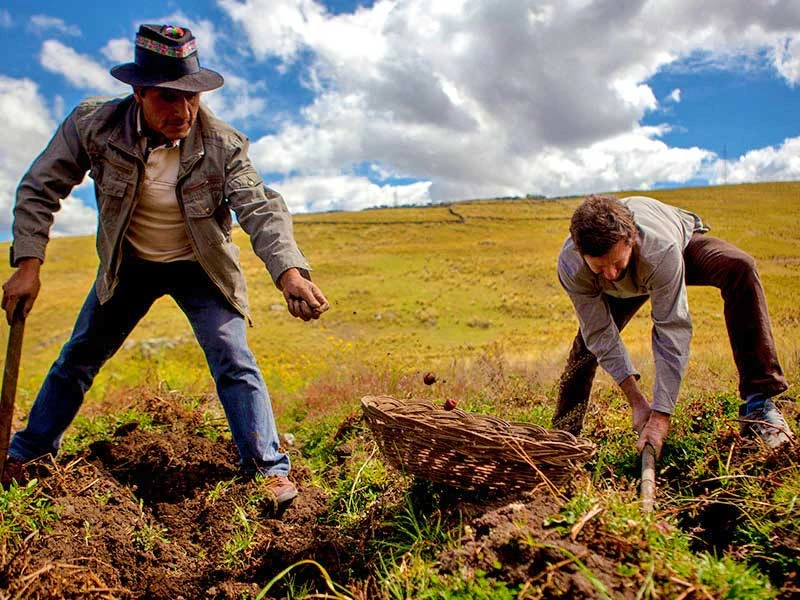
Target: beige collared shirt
[(157, 231)]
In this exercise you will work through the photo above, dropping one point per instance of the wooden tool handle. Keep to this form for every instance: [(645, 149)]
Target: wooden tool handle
[(648, 488), (10, 373)]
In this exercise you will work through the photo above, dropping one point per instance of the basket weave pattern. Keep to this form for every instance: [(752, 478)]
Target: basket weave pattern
[(471, 451)]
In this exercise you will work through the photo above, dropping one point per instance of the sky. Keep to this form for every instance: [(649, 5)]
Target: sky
[(350, 104)]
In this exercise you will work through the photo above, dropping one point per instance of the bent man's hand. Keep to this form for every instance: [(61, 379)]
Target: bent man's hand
[(640, 407), (654, 432), (304, 299), (22, 286)]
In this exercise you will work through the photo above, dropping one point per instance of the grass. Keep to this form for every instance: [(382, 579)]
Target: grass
[(146, 535), (476, 301), (23, 513), (236, 550), (88, 429)]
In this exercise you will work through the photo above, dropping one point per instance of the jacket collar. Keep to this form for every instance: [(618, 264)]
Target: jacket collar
[(192, 147), (125, 135)]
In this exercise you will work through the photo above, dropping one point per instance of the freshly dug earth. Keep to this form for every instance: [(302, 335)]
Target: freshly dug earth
[(145, 516), (159, 513), (512, 544)]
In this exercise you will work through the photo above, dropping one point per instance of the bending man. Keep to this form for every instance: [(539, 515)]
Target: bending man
[(619, 254)]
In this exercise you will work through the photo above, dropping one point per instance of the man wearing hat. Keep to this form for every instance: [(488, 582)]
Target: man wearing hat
[(167, 175)]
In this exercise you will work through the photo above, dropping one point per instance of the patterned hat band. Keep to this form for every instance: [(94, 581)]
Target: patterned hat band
[(182, 51), (167, 56)]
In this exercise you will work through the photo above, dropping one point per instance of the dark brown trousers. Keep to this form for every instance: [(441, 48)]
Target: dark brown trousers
[(708, 261)]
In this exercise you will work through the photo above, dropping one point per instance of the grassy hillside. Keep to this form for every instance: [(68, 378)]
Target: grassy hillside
[(468, 291), (414, 289)]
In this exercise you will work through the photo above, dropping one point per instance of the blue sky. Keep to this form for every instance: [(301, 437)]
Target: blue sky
[(351, 104)]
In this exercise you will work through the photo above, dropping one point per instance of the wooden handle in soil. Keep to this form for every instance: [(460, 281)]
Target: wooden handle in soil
[(10, 373), (648, 488)]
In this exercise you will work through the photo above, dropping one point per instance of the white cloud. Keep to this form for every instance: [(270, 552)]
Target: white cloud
[(41, 24), (494, 98), (59, 107), (345, 192), (275, 27), (118, 50), (781, 163), (24, 120), (80, 70), (787, 59), (75, 217), (27, 126), (6, 21), (238, 100), (472, 98)]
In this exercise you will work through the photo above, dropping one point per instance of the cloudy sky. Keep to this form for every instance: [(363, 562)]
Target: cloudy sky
[(353, 103)]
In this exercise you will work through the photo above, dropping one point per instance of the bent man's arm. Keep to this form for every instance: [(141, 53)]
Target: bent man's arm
[(264, 216), (60, 167), (640, 407)]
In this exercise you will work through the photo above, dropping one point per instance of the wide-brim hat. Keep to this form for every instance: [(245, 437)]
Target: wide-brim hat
[(166, 56)]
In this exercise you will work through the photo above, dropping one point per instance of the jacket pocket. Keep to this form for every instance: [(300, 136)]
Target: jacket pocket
[(111, 194), (207, 216), (115, 188), (113, 181), (112, 176)]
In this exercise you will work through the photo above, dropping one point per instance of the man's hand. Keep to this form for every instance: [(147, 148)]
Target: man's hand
[(654, 432), (22, 286), (640, 407), (304, 299)]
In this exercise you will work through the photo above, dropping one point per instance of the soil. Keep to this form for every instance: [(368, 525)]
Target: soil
[(151, 514), (139, 518), (513, 544)]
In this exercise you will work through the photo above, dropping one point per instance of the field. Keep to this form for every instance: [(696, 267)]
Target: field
[(143, 501)]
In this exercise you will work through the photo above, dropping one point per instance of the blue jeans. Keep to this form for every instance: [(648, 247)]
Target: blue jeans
[(102, 328)]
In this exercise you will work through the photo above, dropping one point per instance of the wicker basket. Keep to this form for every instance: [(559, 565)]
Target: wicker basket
[(471, 451)]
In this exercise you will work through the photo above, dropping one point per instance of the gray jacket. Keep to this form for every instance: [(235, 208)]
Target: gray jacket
[(656, 270), (215, 177)]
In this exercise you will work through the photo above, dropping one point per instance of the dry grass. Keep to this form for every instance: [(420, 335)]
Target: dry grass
[(417, 289)]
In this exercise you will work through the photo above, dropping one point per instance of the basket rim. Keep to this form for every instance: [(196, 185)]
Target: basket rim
[(429, 428), (370, 403)]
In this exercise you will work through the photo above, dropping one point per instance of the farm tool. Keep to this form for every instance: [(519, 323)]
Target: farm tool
[(10, 373), (648, 486)]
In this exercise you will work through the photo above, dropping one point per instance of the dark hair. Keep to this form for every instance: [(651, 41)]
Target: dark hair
[(599, 223)]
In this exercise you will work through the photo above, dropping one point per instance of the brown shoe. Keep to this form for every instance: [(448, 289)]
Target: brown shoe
[(14, 470), (278, 489)]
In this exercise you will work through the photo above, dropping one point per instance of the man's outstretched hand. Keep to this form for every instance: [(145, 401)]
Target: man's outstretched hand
[(304, 299), (654, 432)]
